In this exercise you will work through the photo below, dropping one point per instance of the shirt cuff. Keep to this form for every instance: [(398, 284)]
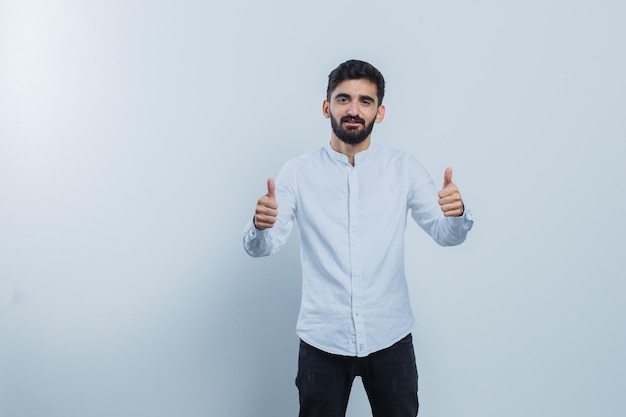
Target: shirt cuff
[(464, 222), (252, 232)]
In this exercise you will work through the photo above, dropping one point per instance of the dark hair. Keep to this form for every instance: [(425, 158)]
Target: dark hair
[(354, 70)]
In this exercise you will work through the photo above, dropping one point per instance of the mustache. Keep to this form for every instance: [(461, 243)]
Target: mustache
[(352, 119)]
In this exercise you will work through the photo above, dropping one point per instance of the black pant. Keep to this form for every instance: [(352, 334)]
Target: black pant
[(389, 377)]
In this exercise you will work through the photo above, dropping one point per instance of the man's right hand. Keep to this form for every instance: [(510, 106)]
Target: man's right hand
[(266, 208)]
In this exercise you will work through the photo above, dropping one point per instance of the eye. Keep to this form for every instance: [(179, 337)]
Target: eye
[(366, 102), (342, 99)]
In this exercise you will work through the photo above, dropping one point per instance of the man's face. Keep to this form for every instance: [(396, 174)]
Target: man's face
[(353, 109)]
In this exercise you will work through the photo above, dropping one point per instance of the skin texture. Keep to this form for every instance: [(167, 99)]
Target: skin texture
[(355, 98)]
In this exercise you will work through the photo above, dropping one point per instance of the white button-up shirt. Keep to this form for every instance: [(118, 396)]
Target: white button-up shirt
[(352, 220)]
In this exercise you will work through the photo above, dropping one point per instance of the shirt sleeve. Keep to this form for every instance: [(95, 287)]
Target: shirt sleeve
[(423, 202), (266, 242)]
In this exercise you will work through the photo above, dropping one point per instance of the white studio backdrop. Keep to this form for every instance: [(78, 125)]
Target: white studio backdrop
[(136, 137)]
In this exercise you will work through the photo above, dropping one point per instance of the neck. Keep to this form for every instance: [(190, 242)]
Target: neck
[(348, 149)]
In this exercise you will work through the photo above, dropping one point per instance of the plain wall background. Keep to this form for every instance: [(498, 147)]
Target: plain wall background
[(135, 138)]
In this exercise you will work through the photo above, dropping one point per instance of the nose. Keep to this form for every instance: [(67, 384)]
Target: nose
[(353, 108)]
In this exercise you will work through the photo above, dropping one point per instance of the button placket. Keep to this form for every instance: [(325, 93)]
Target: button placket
[(355, 261)]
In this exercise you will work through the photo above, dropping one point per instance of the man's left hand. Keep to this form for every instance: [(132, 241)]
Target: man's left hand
[(449, 197)]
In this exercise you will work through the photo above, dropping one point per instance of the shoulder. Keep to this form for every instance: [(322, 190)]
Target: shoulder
[(401, 164), (302, 164), (392, 154), (305, 160)]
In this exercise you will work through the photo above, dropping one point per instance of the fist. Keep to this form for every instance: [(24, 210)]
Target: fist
[(266, 208), (449, 197)]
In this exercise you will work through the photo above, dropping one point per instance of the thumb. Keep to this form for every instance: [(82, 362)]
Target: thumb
[(447, 177), (271, 189)]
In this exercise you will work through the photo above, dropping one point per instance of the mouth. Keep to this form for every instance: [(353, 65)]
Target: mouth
[(353, 123)]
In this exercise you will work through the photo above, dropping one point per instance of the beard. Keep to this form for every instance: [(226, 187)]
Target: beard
[(351, 136)]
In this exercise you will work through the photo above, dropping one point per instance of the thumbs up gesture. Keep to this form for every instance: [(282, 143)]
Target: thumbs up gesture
[(449, 197), (266, 208)]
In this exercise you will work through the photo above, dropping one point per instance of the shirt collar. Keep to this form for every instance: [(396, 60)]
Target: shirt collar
[(359, 158)]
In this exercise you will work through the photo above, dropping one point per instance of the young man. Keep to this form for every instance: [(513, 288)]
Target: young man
[(350, 200)]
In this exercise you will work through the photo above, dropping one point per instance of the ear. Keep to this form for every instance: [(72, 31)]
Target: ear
[(380, 113), (326, 109)]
